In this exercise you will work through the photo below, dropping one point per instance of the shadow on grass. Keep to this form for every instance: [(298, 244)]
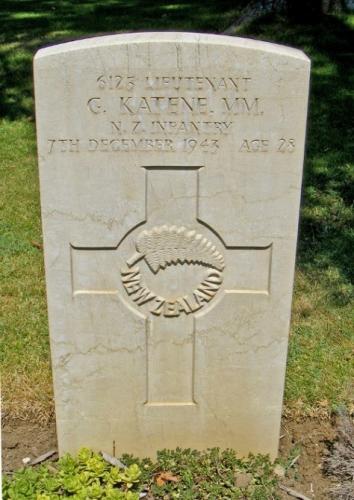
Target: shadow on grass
[(327, 224), (30, 24)]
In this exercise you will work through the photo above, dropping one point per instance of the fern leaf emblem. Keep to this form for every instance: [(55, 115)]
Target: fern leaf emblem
[(165, 245)]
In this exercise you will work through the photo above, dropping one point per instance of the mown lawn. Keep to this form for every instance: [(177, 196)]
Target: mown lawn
[(321, 356)]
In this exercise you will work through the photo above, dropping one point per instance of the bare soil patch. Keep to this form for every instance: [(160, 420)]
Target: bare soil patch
[(309, 439), (25, 439)]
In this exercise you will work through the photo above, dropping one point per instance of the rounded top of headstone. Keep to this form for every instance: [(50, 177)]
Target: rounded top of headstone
[(171, 37)]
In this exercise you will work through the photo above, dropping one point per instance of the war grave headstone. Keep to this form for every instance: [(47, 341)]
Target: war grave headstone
[(170, 173)]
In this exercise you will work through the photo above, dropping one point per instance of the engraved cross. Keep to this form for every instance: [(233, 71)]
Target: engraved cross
[(173, 270)]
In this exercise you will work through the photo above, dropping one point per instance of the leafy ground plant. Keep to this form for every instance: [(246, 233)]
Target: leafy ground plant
[(87, 475), (185, 474)]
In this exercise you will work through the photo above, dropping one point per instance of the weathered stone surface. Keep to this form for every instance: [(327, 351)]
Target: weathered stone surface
[(170, 169)]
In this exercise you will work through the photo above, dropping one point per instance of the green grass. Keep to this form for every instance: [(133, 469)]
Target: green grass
[(321, 362), (24, 332), (320, 368)]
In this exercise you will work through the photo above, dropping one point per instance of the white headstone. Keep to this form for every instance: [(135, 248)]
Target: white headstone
[(170, 169)]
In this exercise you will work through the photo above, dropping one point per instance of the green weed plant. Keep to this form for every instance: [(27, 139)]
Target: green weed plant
[(190, 475)]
